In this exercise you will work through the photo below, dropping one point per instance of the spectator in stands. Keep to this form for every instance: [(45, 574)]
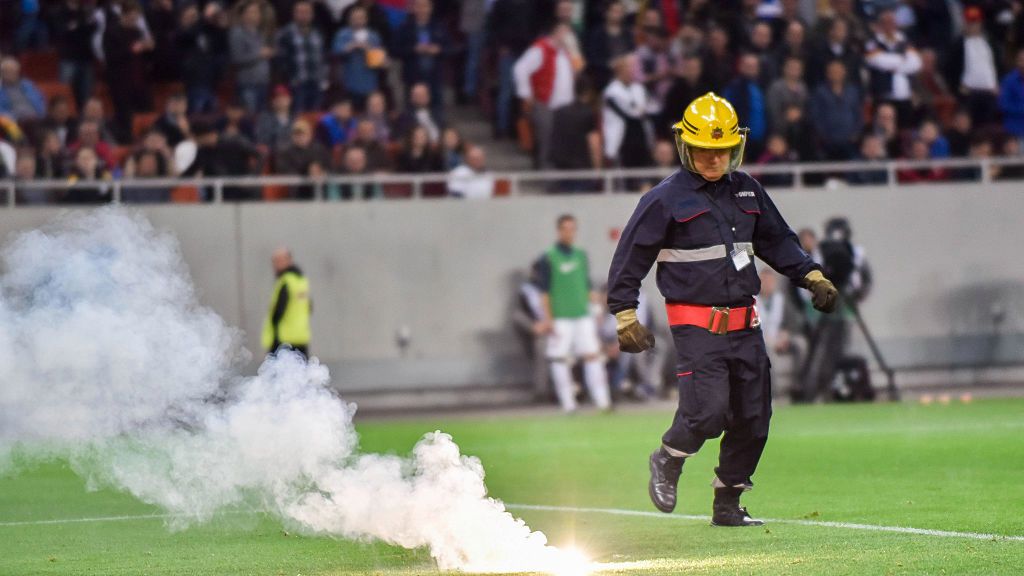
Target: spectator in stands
[(930, 88), (545, 82), (51, 162), (420, 113), (251, 53), (872, 149), (625, 131), (162, 20), (300, 60), (607, 43), (125, 49), (145, 164), (794, 45), (25, 170), (19, 97), (472, 20), (748, 99), (1009, 148), (972, 67), (31, 30), (154, 144), (59, 120), (360, 51), (886, 125), (417, 154), (173, 123), (761, 46), (89, 137), (655, 67), (961, 130), (377, 18), (920, 150), (202, 44), (274, 126), (788, 90), (1011, 98), (579, 138), (421, 44), (835, 113), (510, 27), (689, 41), (938, 146), (87, 168), (835, 45), (795, 128), (378, 159), (687, 86), (219, 157), (74, 25), (235, 122), (93, 112), (665, 155), (453, 148), (471, 179), (892, 61), (354, 164), (304, 156), (337, 127), (719, 64), (777, 151), (377, 112)]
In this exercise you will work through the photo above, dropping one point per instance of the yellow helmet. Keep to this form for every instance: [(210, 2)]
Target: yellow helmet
[(710, 121)]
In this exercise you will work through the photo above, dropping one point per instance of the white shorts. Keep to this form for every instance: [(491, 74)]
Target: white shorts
[(573, 337)]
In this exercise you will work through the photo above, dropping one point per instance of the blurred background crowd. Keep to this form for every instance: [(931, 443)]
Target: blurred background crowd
[(99, 90)]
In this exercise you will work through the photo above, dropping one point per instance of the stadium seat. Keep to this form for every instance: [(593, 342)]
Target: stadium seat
[(41, 66), (141, 121), (524, 133), (50, 89), (502, 187), (119, 154), (275, 192), (185, 194)]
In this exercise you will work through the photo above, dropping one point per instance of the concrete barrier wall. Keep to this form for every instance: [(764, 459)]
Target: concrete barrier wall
[(945, 259)]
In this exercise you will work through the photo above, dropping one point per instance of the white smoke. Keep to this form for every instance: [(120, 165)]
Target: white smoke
[(108, 359)]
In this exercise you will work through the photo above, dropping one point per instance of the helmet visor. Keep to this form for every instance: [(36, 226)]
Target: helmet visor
[(735, 152)]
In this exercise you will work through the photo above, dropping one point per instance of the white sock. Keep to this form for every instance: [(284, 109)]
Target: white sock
[(597, 383), (562, 378)]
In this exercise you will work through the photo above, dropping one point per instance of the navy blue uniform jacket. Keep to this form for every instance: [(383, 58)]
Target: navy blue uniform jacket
[(690, 226)]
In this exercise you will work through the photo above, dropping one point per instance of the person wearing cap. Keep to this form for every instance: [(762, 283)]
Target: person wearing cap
[(703, 225), (972, 67)]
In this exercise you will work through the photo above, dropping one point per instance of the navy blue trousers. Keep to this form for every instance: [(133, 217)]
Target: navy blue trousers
[(724, 387)]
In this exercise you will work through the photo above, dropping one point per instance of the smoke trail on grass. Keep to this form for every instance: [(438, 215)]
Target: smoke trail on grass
[(107, 359)]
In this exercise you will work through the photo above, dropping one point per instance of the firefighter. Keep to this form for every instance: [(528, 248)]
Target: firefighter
[(703, 225)]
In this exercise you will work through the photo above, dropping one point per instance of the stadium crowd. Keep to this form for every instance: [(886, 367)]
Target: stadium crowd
[(97, 90)]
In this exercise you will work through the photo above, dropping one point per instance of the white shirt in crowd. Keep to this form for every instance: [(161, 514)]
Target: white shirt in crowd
[(902, 65), (464, 182), (530, 62), (631, 100), (979, 65)]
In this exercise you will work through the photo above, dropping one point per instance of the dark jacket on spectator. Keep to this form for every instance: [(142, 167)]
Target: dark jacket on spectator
[(202, 48), (420, 67), (836, 118), (427, 161), (73, 32)]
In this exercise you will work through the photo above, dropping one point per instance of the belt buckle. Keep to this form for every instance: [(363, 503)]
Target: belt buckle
[(719, 323)]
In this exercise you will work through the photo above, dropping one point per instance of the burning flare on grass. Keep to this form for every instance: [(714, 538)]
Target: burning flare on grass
[(108, 359)]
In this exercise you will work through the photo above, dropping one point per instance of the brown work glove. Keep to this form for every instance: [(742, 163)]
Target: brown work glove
[(633, 337), (823, 293)]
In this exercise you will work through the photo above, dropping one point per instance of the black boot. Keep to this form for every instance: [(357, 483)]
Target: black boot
[(727, 510), (665, 471)]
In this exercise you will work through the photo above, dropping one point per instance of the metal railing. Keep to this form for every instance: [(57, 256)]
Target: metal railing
[(796, 176)]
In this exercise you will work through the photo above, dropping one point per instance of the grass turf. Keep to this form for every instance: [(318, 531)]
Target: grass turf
[(955, 467)]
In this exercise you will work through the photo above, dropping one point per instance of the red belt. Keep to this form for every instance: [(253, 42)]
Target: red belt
[(716, 319)]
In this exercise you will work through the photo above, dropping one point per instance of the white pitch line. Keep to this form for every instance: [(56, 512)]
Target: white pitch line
[(821, 523), (85, 520), (607, 511)]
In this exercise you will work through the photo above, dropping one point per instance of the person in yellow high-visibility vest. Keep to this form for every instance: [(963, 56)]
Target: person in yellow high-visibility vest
[(287, 322)]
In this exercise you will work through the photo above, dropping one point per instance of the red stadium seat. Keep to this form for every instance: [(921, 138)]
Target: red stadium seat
[(50, 89), (275, 192), (185, 195), (41, 66), (141, 121)]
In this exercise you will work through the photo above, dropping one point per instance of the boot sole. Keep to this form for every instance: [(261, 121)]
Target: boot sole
[(716, 525), (650, 491)]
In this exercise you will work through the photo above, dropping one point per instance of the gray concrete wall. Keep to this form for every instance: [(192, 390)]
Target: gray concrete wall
[(944, 258)]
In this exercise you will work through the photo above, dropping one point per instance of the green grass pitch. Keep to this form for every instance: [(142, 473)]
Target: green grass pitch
[(957, 467)]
